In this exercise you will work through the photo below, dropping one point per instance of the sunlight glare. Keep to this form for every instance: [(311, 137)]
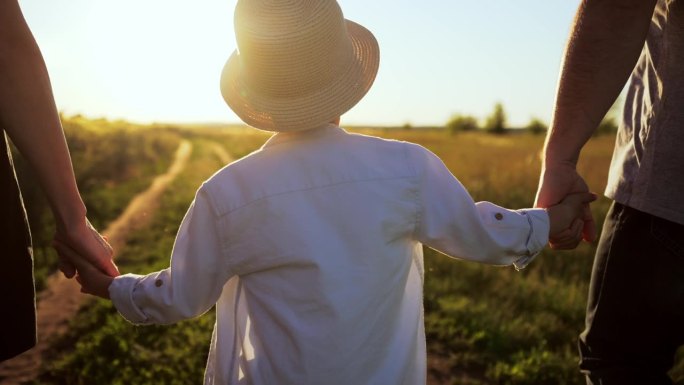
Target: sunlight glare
[(167, 55)]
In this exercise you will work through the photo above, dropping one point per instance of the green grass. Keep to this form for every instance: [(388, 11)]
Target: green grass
[(505, 326), (112, 161), (495, 325), (102, 348)]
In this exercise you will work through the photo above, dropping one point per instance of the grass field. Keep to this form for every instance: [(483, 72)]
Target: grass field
[(484, 325), (112, 160)]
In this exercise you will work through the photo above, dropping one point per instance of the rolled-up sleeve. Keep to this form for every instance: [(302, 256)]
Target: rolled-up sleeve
[(193, 282), (451, 222)]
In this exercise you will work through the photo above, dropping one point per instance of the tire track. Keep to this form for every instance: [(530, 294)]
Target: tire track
[(60, 301), (221, 153)]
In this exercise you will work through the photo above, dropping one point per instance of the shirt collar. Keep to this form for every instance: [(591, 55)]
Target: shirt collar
[(284, 137)]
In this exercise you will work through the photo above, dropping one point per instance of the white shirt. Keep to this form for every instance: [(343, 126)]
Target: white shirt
[(311, 249)]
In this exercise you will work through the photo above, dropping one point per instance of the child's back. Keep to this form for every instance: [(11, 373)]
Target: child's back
[(320, 227), (324, 230)]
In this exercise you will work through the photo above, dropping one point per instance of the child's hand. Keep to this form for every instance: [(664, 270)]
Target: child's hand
[(92, 280), (566, 219)]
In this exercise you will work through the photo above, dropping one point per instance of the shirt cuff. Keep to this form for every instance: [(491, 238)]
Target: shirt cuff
[(121, 293), (538, 236)]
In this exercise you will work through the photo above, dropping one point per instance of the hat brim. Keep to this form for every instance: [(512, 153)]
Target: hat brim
[(311, 110)]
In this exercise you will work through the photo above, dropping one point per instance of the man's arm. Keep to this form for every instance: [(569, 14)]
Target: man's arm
[(29, 116), (605, 42)]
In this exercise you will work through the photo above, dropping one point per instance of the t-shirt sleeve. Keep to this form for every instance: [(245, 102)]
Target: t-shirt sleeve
[(192, 283), (451, 222)]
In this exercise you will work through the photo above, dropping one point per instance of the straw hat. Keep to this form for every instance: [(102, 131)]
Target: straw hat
[(299, 64)]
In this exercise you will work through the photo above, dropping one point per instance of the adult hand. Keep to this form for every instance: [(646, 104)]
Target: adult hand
[(566, 221), (556, 182), (82, 238), (92, 280)]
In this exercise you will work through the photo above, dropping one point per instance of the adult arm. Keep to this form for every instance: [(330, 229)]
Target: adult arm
[(605, 42), (29, 116)]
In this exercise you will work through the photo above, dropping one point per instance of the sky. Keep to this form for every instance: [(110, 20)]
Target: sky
[(160, 60)]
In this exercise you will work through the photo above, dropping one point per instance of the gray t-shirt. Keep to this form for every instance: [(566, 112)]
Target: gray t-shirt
[(647, 171)]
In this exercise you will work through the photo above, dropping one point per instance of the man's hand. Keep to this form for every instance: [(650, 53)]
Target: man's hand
[(93, 280), (565, 219), (558, 181), (84, 241)]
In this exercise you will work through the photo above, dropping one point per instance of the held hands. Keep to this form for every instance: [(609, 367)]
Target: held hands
[(566, 219), (82, 239), (81, 248), (92, 279), (557, 181)]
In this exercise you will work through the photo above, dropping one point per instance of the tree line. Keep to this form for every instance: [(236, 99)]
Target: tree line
[(496, 122)]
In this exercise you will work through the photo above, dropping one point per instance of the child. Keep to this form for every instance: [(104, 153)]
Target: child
[(311, 247)]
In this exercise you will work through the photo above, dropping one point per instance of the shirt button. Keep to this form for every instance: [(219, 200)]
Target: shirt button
[(498, 216), (158, 283)]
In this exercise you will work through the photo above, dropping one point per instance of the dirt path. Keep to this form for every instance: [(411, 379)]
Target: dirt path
[(221, 153), (60, 301)]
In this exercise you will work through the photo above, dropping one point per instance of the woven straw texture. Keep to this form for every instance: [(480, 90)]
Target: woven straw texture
[(299, 64)]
